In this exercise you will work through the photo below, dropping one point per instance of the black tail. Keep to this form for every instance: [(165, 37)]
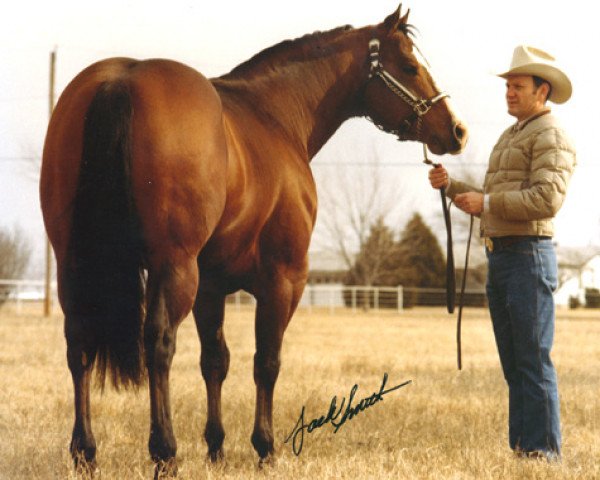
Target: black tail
[(104, 277)]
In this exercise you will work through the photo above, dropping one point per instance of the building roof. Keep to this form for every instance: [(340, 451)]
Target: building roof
[(576, 257), (326, 261), (568, 257)]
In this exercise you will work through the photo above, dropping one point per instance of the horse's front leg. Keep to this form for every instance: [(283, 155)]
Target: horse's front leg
[(214, 363), (274, 310), (170, 301), (81, 353)]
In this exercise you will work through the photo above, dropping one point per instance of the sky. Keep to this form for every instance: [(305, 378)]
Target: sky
[(465, 41)]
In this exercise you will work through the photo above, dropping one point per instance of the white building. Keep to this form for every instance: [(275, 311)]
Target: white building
[(579, 269)]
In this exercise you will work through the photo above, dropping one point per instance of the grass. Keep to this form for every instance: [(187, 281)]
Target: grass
[(445, 425)]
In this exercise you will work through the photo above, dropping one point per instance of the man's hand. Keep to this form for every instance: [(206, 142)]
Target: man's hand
[(470, 202), (438, 177)]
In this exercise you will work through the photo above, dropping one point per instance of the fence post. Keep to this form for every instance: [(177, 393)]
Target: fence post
[(19, 303), (400, 299)]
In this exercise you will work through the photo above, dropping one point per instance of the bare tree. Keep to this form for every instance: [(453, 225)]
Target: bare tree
[(351, 200), (375, 263), (15, 252)]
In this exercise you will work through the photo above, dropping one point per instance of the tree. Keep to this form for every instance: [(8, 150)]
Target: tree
[(415, 260), (352, 198), (421, 260), (374, 264), (15, 252)]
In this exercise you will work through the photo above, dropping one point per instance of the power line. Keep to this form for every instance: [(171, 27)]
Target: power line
[(319, 163), (19, 159), (33, 98)]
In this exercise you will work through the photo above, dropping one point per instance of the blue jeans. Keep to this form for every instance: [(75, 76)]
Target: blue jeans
[(521, 280)]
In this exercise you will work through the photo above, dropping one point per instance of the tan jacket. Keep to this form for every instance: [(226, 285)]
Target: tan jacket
[(527, 177)]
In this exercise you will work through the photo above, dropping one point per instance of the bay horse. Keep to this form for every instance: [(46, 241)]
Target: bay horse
[(163, 191)]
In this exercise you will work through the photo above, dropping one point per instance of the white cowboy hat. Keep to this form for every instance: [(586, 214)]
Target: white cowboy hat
[(533, 61)]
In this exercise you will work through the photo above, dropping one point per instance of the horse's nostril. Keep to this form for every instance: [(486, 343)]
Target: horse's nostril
[(459, 131)]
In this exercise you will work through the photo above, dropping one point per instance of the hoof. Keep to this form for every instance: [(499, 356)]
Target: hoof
[(216, 456), (83, 453), (85, 467), (264, 447), (267, 462), (165, 469), (214, 436)]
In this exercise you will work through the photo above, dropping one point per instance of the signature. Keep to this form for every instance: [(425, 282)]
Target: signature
[(335, 412)]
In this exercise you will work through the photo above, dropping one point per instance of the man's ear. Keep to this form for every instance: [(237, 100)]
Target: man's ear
[(545, 90)]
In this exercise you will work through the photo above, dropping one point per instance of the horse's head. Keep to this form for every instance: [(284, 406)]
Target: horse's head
[(401, 96)]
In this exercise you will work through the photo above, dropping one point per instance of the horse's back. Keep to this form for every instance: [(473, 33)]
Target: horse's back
[(178, 152)]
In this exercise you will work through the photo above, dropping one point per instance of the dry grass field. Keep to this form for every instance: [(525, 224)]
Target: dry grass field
[(445, 425)]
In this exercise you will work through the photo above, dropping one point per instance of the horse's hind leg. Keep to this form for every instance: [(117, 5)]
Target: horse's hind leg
[(275, 306), (81, 352), (214, 363), (171, 291)]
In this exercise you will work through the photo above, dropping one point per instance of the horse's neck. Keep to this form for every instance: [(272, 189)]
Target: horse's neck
[(309, 100)]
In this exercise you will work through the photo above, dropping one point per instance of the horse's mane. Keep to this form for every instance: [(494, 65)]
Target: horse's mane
[(310, 45)]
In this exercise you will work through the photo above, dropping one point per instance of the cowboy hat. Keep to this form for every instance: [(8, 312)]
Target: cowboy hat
[(533, 61)]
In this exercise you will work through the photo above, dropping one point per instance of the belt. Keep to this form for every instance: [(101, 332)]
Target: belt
[(498, 243)]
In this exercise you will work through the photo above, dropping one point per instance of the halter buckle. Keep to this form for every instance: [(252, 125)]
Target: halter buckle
[(421, 107), (374, 55)]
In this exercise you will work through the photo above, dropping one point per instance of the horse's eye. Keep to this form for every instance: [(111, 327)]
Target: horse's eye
[(410, 70)]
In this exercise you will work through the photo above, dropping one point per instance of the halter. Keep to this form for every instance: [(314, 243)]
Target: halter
[(420, 106)]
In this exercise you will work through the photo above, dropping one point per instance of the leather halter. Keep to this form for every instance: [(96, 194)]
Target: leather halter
[(420, 106)]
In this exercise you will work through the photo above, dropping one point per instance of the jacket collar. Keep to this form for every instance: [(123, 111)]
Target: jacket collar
[(517, 127)]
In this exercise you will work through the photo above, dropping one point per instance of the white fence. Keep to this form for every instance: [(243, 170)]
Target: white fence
[(336, 297), (359, 299), (17, 294)]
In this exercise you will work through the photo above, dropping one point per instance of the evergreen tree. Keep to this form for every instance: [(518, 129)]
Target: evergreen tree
[(375, 263), (416, 260), (422, 262)]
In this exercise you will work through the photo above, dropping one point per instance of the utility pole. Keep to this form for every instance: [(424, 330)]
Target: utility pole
[(48, 280)]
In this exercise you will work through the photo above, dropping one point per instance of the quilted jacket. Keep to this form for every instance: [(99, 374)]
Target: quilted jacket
[(527, 177)]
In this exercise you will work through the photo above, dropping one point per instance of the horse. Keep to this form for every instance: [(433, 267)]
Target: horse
[(163, 191)]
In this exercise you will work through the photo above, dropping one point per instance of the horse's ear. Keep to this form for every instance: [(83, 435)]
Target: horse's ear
[(393, 22), (404, 19)]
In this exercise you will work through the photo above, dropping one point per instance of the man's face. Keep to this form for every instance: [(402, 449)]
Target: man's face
[(522, 97)]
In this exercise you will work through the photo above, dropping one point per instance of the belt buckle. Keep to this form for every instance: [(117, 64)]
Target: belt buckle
[(489, 244)]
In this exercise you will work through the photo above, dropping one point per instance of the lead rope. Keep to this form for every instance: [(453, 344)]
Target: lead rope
[(450, 271), (461, 298)]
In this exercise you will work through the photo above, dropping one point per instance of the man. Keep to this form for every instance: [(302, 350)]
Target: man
[(525, 186)]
